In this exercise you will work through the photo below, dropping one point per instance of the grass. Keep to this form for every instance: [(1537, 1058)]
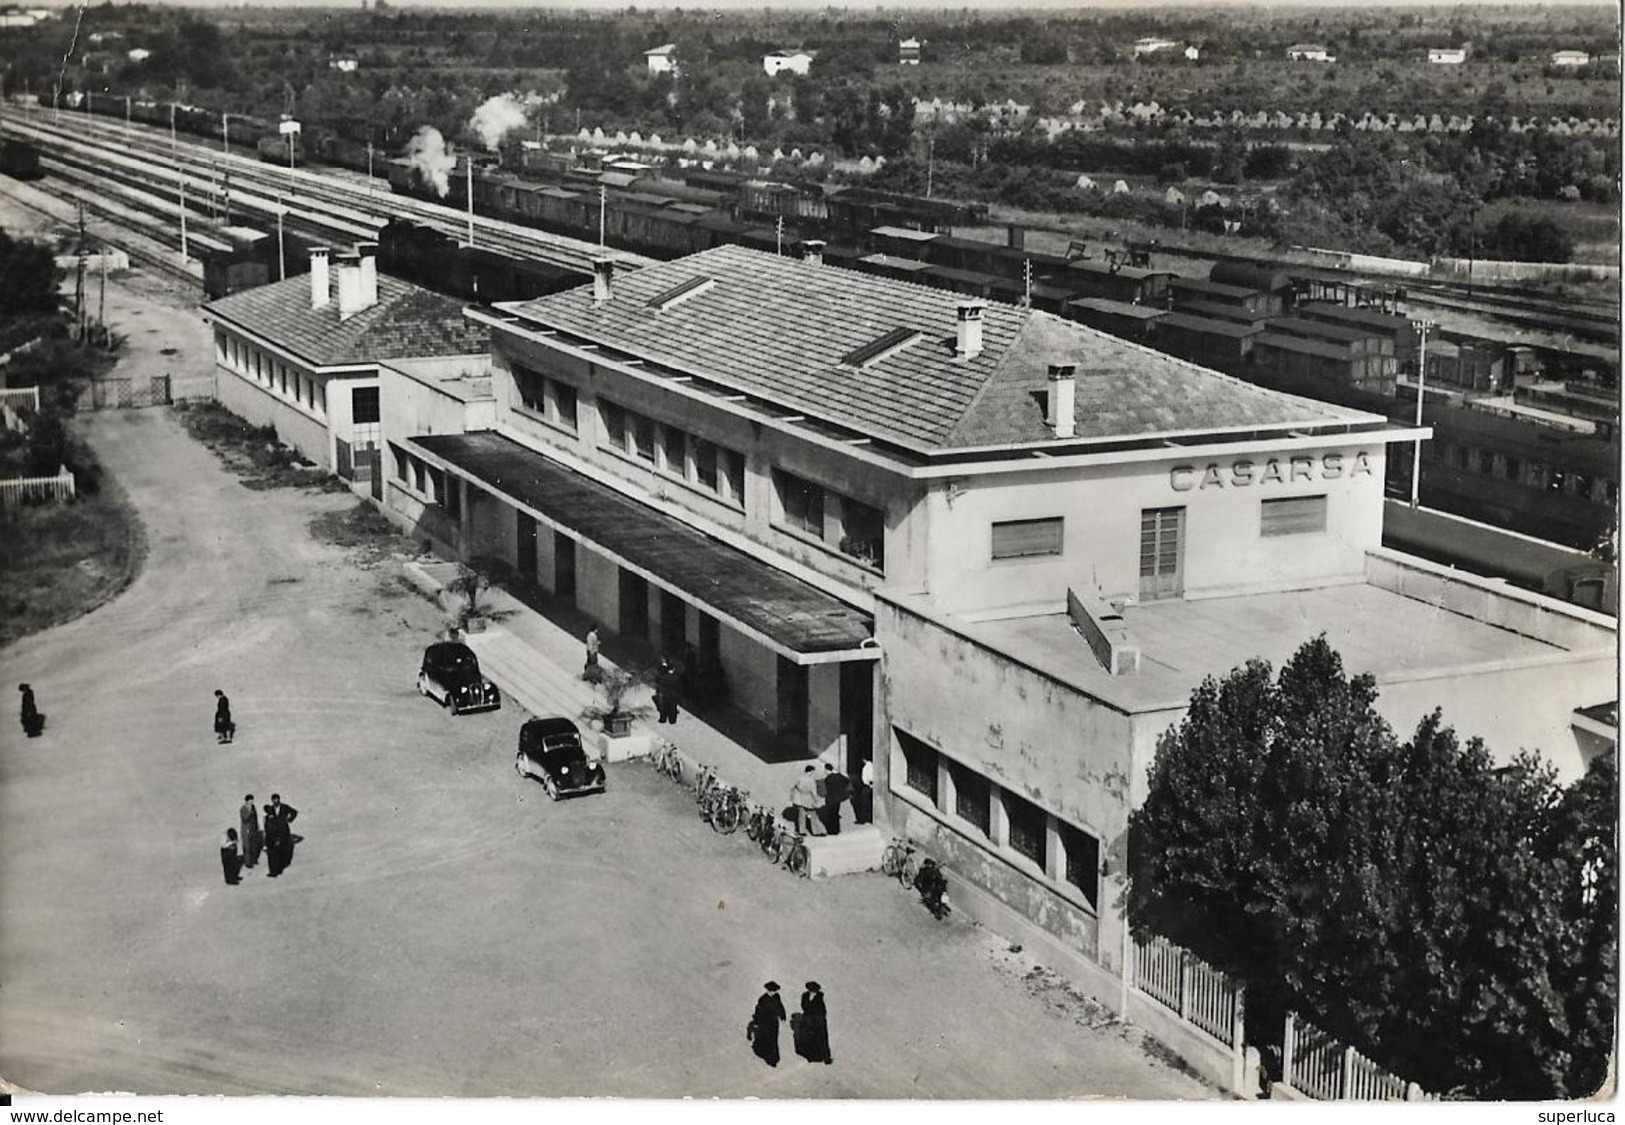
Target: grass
[(60, 561), (254, 453), (362, 529)]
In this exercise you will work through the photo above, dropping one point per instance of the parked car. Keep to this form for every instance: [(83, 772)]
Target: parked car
[(451, 676), (550, 750)]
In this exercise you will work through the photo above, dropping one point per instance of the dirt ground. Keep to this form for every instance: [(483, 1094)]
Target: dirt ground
[(444, 930)]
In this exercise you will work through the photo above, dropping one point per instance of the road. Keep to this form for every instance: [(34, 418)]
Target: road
[(444, 929)]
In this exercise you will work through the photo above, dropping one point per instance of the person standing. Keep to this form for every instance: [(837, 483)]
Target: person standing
[(764, 1024), (224, 728), (812, 1037), (279, 834), (836, 788), (591, 673), (804, 800), (667, 687), (33, 721), (251, 838), (230, 861)]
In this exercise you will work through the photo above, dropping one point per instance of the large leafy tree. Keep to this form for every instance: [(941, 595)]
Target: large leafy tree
[(31, 277), (1454, 920)]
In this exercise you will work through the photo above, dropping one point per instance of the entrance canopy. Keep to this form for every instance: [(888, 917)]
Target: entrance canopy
[(790, 616)]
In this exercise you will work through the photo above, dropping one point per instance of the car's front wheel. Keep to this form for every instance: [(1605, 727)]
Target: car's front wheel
[(552, 790)]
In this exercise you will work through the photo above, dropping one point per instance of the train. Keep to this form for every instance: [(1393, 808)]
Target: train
[(19, 160)]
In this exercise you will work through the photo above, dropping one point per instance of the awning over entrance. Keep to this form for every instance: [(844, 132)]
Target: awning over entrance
[(792, 616)]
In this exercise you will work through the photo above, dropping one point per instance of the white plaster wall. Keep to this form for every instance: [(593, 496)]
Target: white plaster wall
[(598, 590), (253, 402)]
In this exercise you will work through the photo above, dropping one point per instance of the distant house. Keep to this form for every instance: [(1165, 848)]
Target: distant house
[(797, 62), (1449, 56), (105, 36), (17, 19), (908, 52), (138, 54), (1570, 58), (346, 66), (1151, 44), (1308, 52), (1192, 52), (661, 59)]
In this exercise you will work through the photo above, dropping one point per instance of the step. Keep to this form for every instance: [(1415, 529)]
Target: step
[(859, 847)]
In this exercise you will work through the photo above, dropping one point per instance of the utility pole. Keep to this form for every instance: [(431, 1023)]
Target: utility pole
[(225, 133), (603, 204), (778, 233), (930, 163), (470, 199), (101, 299), (281, 254), (173, 155), (226, 192), (1027, 282), (369, 167), (79, 277), (1422, 326), (182, 178)]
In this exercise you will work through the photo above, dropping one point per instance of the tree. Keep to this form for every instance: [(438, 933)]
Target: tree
[(31, 277), (1455, 921)]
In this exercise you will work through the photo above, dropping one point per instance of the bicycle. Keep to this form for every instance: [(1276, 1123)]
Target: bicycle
[(712, 802), (769, 834), (899, 862), (790, 849), (759, 823), (706, 784), (730, 811), (665, 759)]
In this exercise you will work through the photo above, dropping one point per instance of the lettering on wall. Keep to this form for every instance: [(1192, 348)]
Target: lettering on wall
[(1243, 473)]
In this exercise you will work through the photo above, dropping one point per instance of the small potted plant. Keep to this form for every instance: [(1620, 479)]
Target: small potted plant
[(474, 611), (613, 709)]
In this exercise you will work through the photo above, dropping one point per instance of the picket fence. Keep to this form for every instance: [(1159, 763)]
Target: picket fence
[(1196, 991), (1320, 1067), (20, 397), (18, 489)]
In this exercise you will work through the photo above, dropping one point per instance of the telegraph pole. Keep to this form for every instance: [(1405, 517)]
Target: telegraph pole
[(470, 183), (281, 254), (182, 178), (1027, 282), (1422, 326), (225, 133), (173, 154), (778, 232), (126, 115), (930, 163), (603, 203)]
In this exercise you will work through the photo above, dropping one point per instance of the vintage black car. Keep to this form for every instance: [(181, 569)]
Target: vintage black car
[(451, 676), (550, 750)]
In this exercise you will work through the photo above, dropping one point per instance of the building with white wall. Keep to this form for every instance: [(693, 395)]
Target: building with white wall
[(1308, 52), (1448, 56), (1571, 58), (302, 354), (661, 59), (908, 52), (796, 62)]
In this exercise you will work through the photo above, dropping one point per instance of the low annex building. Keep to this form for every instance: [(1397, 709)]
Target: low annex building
[(303, 354)]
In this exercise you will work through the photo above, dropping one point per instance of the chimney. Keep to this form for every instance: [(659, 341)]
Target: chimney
[(812, 251), (347, 266), (1063, 401), (968, 343), (369, 273), (603, 273), (319, 295)]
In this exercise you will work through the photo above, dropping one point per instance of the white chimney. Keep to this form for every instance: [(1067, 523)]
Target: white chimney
[(347, 267), (369, 273), (1063, 400), (968, 343), (812, 251), (319, 296), (603, 273)]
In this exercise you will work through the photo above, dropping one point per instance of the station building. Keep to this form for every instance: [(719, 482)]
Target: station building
[(986, 549), (303, 355)]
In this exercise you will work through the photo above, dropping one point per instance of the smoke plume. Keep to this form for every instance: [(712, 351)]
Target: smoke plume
[(426, 152), (495, 117)]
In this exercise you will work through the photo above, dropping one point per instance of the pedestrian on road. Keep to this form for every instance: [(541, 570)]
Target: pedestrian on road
[(836, 788), (252, 839), (668, 686), (279, 834), (33, 721), (763, 1029), (591, 672), (805, 801), (812, 1032), (224, 728), (230, 861)]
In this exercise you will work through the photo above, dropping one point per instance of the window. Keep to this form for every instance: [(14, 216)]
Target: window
[(1486, 462), (733, 467), (420, 476), (1021, 539), (564, 405), (803, 503), (673, 443), (919, 765), (321, 398), (1514, 469), (450, 494), (1082, 862), (865, 533), (531, 388), (972, 797), (400, 459), (1027, 828), (1292, 515), (705, 464), (364, 405), (614, 417), (643, 437)]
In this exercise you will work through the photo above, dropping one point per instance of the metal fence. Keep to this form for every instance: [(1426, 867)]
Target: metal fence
[(1183, 982), (1320, 1067), (18, 490), (119, 393)]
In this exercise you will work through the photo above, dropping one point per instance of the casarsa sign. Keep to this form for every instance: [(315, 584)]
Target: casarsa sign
[(1243, 473)]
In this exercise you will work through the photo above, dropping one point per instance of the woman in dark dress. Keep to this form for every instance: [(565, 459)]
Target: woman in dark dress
[(231, 863), (812, 1036), (224, 728), (764, 1024), (33, 721), (278, 841)]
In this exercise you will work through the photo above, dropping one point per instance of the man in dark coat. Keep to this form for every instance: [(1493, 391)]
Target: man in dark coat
[(278, 834), (230, 862), (668, 685), (812, 1032), (764, 1024), (836, 788), (224, 728), (33, 721), (252, 840)]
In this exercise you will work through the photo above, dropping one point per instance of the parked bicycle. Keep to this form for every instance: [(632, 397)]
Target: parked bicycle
[(665, 759), (899, 861), (731, 808), (705, 784), (768, 834), (790, 850), (759, 825), (712, 799)]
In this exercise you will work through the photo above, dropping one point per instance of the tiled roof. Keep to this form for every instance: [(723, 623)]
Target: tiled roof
[(777, 328), (407, 321)]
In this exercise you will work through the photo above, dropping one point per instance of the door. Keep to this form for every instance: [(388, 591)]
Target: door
[(634, 606), (793, 701), (673, 615), (1162, 553), (857, 713), (564, 566), (524, 551)]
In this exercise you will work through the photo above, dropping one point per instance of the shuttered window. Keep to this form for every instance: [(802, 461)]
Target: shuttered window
[(1082, 862), (920, 765), (972, 796), (1027, 826), (1020, 539), (1293, 515)]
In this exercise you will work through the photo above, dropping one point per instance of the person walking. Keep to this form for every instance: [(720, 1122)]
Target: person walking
[(591, 673), (668, 686), (812, 1034), (279, 834), (251, 838), (224, 728), (33, 721), (805, 802), (230, 861), (763, 1029), (836, 788)]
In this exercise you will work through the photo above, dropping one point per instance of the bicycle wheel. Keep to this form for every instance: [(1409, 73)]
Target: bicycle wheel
[(891, 860), (727, 818), (908, 870), (676, 768), (769, 840), (797, 861), (753, 825)]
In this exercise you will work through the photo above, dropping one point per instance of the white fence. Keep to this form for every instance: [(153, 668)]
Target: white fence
[(19, 397), (1319, 1067), (1195, 990), (18, 489)]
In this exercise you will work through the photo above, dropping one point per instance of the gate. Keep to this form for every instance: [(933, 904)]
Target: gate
[(125, 393)]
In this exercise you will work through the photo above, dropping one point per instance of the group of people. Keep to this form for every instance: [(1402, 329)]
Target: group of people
[(809, 1027), (242, 849), (33, 720), (816, 799)]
